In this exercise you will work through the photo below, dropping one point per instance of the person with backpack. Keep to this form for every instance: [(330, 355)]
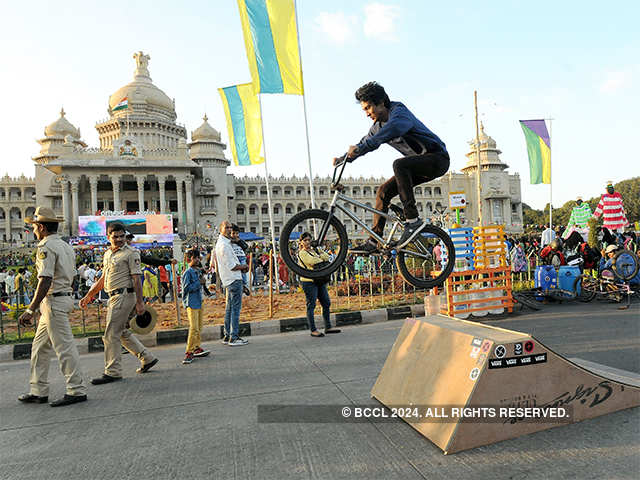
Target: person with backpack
[(315, 290)]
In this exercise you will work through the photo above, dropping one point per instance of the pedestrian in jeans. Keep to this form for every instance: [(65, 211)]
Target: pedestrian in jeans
[(315, 289), (240, 248), (192, 301), (230, 271)]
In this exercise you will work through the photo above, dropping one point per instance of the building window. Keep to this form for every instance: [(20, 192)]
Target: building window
[(253, 229), (240, 210), (276, 210), (263, 191), (252, 210), (288, 210), (288, 192), (173, 205), (497, 211), (265, 209), (437, 191), (265, 230), (277, 229)]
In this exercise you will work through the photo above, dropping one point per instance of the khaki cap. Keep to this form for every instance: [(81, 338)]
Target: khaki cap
[(44, 215)]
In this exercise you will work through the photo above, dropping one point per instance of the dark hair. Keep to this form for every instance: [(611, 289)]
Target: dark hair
[(129, 235), (373, 92), (305, 235), (192, 253), (52, 227), (115, 227), (235, 228)]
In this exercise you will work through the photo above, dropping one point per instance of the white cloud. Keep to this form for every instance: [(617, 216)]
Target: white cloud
[(379, 21), (615, 81), (338, 27)]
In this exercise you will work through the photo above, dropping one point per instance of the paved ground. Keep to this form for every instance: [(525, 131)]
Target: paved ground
[(199, 421)]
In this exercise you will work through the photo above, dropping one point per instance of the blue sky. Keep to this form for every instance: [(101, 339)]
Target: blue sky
[(575, 62)]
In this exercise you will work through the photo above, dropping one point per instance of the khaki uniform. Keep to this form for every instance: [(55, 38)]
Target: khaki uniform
[(56, 259), (118, 268)]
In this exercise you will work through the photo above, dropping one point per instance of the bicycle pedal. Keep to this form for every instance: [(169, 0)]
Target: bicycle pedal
[(399, 211)]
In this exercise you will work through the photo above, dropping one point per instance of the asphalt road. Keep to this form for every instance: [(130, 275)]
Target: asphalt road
[(199, 421)]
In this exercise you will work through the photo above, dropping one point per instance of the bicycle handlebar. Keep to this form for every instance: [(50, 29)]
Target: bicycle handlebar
[(343, 163)]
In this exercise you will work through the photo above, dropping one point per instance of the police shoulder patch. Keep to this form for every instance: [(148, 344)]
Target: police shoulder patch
[(42, 254)]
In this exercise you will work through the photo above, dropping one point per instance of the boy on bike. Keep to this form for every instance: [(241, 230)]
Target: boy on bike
[(424, 158)]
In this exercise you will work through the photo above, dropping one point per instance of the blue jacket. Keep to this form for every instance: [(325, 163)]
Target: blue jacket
[(191, 289), (403, 131)]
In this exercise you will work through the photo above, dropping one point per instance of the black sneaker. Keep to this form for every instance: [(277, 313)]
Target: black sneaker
[(365, 248), (411, 231), (226, 339)]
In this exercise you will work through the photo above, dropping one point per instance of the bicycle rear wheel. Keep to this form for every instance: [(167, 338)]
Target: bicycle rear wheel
[(418, 263), (587, 286), (312, 221)]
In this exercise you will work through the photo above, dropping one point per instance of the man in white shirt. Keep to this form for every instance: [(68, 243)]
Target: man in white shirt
[(9, 286), (230, 272), (548, 236), (90, 276)]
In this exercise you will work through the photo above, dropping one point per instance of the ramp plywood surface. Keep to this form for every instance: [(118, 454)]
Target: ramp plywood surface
[(440, 361)]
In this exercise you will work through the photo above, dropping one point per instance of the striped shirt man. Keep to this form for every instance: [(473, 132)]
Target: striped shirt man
[(612, 211)]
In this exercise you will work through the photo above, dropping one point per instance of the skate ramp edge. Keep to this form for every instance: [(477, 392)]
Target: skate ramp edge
[(442, 361)]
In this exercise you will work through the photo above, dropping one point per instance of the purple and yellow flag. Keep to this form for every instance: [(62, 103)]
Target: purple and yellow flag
[(539, 150)]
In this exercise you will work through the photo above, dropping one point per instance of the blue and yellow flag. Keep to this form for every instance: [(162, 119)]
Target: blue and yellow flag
[(539, 150), (271, 38), (242, 109)]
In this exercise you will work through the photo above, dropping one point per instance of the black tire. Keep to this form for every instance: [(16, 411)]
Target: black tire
[(321, 216), (588, 287), (625, 264), (526, 302), (444, 273)]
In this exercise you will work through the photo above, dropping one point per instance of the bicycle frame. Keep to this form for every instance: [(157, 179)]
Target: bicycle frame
[(337, 196)]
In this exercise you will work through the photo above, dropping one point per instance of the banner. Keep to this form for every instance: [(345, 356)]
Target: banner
[(539, 150), (271, 39), (242, 110)]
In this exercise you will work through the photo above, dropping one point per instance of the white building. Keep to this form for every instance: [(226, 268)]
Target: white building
[(144, 163)]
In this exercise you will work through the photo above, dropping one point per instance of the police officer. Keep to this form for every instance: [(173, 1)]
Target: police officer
[(121, 280), (56, 266)]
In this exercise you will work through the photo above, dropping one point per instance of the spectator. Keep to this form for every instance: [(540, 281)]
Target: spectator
[(164, 282), (240, 248), (192, 301), (315, 289), (230, 271)]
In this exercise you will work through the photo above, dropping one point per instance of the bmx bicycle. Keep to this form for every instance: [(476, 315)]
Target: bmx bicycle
[(417, 262)]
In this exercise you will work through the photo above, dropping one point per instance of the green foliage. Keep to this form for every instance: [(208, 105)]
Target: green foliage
[(629, 189)]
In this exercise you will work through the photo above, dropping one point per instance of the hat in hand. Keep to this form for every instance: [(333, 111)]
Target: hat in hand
[(145, 323)]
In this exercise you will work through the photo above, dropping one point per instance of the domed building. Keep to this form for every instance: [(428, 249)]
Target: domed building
[(144, 164)]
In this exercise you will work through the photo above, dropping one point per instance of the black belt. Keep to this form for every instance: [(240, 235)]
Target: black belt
[(118, 291), (60, 294)]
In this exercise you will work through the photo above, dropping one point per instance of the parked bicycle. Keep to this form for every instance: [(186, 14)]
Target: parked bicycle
[(417, 262)]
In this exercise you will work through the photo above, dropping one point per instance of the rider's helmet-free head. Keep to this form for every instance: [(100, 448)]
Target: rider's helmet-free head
[(556, 244)]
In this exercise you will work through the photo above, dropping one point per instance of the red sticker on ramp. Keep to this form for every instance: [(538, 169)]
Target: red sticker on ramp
[(528, 346)]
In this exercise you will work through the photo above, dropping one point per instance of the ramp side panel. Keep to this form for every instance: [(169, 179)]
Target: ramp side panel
[(554, 383), (429, 366)]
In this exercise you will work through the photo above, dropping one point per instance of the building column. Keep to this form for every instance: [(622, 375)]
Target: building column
[(189, 187), (93, 184), (66, 203), (7, 224), (181, 223), (140, 180), (75, 182), (115, 182), (161, 182)]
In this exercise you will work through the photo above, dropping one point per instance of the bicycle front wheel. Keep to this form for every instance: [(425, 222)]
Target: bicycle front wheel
[(625, 264), (421, 264), (334, 241)]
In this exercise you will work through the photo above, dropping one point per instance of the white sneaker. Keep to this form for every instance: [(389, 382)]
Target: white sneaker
[(238, 342)]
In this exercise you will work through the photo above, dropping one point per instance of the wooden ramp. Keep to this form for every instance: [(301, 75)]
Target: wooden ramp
[(445, 363)]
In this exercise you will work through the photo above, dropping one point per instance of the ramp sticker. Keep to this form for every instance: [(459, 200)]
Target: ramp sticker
[(481, 358), (476, 342), (528, 346), (500, 351), (474, 374), (517, 349), (486, 345), (518, 361), (475, 351)]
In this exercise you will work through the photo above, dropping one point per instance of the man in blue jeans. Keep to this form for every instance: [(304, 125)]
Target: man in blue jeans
[(230, 271)]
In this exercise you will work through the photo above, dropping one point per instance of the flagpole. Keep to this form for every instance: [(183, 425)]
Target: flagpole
[(304, 106), (478, 183), (550, 179), (266, 176)]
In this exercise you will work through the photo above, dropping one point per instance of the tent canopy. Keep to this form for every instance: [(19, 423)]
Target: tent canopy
[(249, 236)]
